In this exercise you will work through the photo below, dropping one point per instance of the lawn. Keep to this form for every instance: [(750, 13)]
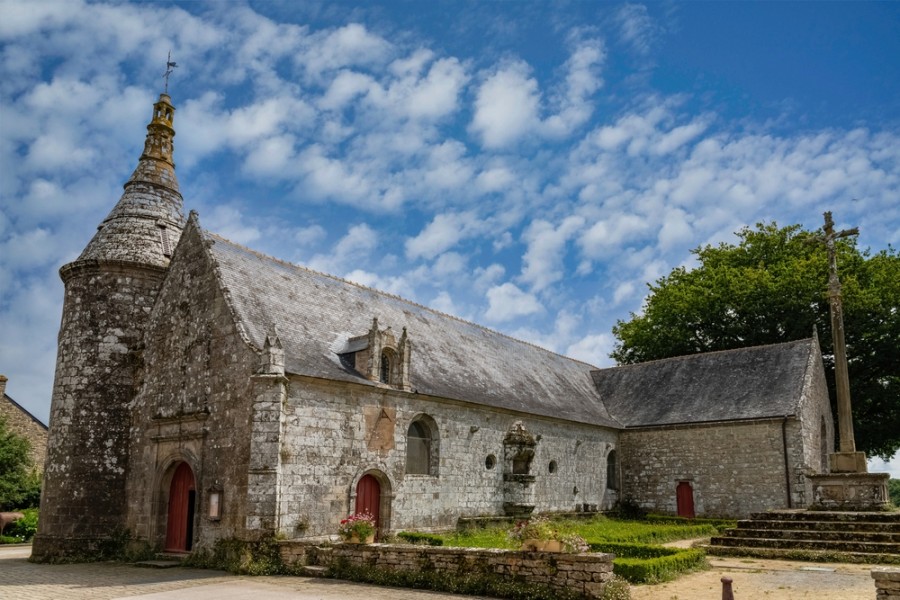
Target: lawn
[(639, 555), (597, 530)]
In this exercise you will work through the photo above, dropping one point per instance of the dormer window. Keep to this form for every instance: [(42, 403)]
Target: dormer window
[(379, 357)]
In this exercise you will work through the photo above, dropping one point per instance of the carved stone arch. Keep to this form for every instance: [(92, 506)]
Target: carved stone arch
[(385, 496), (165, 472), (423, 446)]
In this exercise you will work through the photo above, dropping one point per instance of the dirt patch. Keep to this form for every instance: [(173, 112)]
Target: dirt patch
[(755, 579)]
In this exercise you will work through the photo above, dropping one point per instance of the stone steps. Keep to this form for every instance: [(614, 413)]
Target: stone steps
[(806, 534), (870, 537), (861, 526), (806, 555)]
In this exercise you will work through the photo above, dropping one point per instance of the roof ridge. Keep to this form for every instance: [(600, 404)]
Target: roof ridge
[(390, 295), (708, 353)]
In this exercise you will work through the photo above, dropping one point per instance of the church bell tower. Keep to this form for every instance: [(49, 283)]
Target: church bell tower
[(109, 293)]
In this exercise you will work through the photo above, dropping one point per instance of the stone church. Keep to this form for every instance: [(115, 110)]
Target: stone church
[(205, 391)]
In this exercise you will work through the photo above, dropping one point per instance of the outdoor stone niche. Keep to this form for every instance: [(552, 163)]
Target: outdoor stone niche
[(380, 357), (518, 482)]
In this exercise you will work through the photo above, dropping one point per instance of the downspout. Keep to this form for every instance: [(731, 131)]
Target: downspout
[(787, 469)]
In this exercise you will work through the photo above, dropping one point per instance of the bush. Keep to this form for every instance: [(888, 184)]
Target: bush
[(643, 563), (25, 528), (423, 539)]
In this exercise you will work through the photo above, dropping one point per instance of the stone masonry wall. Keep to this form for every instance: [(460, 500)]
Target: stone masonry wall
[(334, 433), (811, 456), (734, 468), (585, 574), (83, 495), (887, 583), (194, 405), (22, 423)]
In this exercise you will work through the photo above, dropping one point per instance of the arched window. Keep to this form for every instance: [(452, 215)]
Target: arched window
[(385, 368), (421, 447), (612, 480)]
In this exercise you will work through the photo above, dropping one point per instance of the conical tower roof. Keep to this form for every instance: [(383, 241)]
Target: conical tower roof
[(145, 225)]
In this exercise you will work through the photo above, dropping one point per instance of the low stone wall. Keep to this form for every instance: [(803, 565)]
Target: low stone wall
[(585, 574), (887, 583)]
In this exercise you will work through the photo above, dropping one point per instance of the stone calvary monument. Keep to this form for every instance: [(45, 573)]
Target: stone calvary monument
[(848, 486)]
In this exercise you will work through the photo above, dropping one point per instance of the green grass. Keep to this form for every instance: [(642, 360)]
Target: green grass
[(597, 530), (636, 543)]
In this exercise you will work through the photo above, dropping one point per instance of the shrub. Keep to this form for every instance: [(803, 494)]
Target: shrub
[(25, 528), (643, 563), (360, 525), (424, 539)]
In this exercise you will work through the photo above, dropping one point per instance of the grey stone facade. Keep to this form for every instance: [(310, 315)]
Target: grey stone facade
[(23, 423), (203, 386)]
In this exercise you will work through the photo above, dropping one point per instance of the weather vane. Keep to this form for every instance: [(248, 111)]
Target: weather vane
[(170, 66)]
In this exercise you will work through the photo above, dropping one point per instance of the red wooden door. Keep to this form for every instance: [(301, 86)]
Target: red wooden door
[(179, 526), (368, 497), (684, 496)]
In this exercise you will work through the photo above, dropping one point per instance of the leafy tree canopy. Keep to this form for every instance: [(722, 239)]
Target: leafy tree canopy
[(772, 287), (19, 481)]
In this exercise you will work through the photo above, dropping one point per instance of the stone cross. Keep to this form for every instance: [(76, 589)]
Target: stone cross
[(842, 380)]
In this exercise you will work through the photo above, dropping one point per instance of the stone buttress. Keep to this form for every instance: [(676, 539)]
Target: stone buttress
[(109, 292)]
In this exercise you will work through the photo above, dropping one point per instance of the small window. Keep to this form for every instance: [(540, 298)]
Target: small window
[(385, 369), (552, 466), (419, 449), (490, 462), (611, 475)]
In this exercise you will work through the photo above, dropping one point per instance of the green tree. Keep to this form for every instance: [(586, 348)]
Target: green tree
[(894, 491), (19, 481), (771, 288)]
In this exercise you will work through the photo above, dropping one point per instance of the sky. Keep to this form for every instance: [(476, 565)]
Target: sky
[(529, 166)]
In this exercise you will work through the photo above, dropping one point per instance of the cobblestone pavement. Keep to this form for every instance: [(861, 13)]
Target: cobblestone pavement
[(22, 580), (753, 579)]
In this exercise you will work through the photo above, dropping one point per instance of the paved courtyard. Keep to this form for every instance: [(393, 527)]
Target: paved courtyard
[(753, 579)]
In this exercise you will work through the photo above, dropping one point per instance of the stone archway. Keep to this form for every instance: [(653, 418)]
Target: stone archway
[(180, 508), (372, 492)]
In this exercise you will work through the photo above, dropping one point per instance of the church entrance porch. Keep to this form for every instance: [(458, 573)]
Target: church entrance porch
[(372, 494), (180, 514)]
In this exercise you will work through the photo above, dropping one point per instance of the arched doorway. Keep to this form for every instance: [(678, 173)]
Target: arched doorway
[(180, 515), (684, 498), (368, 498)]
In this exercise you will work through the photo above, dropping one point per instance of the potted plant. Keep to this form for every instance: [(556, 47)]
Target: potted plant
[(358, 529), (536, 534)]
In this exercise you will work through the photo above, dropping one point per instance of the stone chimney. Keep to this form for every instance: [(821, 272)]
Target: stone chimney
[(3, 380)]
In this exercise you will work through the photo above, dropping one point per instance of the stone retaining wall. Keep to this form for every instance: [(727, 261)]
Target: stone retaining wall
[(586, 574), (887, 583)]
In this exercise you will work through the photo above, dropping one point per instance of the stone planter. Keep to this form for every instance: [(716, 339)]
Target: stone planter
[(533, 545), (355, 539)]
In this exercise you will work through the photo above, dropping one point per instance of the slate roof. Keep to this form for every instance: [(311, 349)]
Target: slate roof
[(748, 383), (316, 314)]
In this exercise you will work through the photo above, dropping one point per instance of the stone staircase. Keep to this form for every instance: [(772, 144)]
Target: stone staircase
[(859, 537)]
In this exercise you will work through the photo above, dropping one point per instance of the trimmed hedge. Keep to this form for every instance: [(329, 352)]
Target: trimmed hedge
[(423, 539), (719, 524), (644, 563)]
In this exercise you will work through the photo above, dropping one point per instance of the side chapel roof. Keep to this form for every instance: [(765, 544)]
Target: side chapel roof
[(747, 383), (316, 314)]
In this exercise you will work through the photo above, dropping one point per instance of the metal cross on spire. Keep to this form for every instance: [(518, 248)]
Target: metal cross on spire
[(170, 66), (842, 379)]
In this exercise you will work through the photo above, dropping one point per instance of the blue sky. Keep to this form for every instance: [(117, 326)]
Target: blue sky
[(529, 166)]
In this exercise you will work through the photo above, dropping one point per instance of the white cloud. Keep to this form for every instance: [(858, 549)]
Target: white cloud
[(231, 223), (546, 245), (507, 302), (346, 46), (506, 106), (636, 27), (354, 249), (441, 234), (593, 349)]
